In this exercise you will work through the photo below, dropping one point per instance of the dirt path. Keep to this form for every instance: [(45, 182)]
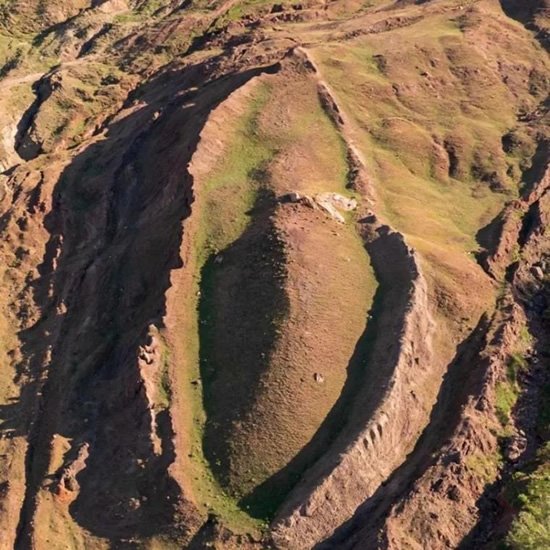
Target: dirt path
[(10, 82), (15, 81)]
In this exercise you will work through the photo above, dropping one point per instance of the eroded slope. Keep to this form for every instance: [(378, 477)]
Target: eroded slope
[(274, 275)]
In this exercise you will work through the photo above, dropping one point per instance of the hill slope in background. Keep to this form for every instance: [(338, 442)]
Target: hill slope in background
[(274, 275)]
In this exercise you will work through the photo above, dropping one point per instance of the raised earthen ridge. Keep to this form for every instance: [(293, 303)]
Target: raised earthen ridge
[(275, 275)]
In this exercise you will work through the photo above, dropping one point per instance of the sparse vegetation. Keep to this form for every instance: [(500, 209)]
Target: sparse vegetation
[(161, 166), (485, 466), (529, 493), (165, 384), (507, 391), (12, 63)]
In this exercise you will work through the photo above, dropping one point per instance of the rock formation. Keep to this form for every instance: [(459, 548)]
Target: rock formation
[(274, 275)]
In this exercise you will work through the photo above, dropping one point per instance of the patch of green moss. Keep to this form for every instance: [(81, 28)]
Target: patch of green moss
[(164, 388), (505, 399), (508, 390), (233, 188), (531, 493), (485, 466)]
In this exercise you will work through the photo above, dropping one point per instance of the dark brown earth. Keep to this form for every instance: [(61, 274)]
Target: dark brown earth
[(274, 275)]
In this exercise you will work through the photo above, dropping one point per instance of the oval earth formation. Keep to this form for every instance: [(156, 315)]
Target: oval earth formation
[(275, 275)]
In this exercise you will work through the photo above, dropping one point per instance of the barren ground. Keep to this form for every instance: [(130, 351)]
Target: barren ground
[(274, 275)]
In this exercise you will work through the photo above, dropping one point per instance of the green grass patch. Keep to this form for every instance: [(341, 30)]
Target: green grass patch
[(485, 466), (164, 386), (223, 209), (530, 492), (507, 391), (506, 396), (417, 198), (232, 190)]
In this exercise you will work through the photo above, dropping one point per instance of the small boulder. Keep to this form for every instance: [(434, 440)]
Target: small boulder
[(515, 447), (333, 203), (537, 272), (293, 196)]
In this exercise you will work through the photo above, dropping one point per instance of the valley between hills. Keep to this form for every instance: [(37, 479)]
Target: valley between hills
[(275, 275)]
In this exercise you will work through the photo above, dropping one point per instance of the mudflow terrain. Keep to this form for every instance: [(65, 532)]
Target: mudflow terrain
[(274, 275)]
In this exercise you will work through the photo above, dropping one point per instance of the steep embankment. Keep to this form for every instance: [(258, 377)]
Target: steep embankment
[(393, 375), (271, 279), (274, 275), (488, 442)]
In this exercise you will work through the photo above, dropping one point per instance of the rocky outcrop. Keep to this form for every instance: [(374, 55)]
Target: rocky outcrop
[(331, 204), (441, 507), (460, 499), (35, 15), (111, 6), (67, 478), (508, 226), (8, 155)]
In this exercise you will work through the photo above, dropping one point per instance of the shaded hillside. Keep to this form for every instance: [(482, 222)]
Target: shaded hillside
[(275, 275)]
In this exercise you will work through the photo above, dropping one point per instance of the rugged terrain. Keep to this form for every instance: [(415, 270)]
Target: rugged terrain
[(274, 275)]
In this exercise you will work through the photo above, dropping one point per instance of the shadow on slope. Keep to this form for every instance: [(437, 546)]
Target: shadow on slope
[(461, 381), (242, 303), (115, 234), (367, 374)]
